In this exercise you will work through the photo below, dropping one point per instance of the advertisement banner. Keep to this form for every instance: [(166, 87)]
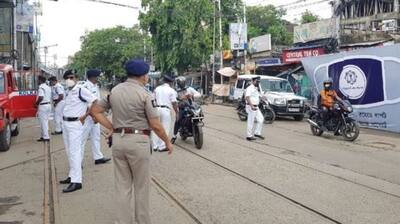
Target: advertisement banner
[(260, 44), (292, 56), (238, 36), (24, 15), (322, 29), (5, 30), (369, 78)]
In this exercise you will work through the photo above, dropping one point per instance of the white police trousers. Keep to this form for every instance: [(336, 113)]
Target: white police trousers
[(93, 130), (72, 134), (58, 116), (43, 117), (254, 116), (166, 121)]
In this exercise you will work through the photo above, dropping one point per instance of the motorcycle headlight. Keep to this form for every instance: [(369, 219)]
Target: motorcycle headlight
[(280, 101), (350, 109)]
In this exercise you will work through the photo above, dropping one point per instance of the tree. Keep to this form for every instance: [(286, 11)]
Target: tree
[(109, 49), (181, 30), (309, 17), (263, 20)]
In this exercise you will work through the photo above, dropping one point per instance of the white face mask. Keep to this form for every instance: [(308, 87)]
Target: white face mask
[(70, 83)]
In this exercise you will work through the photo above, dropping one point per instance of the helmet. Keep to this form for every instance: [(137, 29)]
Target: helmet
[(328, 83), (181, 82)]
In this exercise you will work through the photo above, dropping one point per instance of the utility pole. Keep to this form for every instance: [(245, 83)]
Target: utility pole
[(245, 41), (213, 51), (220, 34)]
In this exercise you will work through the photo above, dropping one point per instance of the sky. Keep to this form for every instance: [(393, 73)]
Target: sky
[(63, 22)]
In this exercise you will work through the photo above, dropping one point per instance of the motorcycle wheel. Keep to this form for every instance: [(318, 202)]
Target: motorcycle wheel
[(351, 131), (269, 116), (242, 115), (198, 136), (183, 137), (314, 130)]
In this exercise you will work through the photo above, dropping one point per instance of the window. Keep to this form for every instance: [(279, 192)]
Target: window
[(276, 85), (239, 83), (2, 83)]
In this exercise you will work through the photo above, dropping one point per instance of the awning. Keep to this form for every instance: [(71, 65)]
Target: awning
[(227, 72)]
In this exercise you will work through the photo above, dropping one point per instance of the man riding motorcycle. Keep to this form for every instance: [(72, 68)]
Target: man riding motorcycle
[(327, 98), (185, 95)]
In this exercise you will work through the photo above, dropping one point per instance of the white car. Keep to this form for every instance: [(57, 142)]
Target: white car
[(279, 94)]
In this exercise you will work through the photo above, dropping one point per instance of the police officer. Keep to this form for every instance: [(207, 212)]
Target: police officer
[(166, 98), (77, 102), (252, 97), (44, 108), (90, 127), (185, 95), (58, 95), (134, 114)]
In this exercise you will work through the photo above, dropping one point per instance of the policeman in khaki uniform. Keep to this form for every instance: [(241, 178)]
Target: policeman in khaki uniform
[(44, 108), (90, 127), (134, 114), (75, 111), (252, 97)]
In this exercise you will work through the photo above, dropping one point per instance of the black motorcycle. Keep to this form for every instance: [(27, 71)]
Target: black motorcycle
[(192, 123), (338, 121), (266, 110)]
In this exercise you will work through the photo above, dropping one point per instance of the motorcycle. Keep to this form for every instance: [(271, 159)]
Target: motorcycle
[(338, 121), (266, 110), (192, 124)]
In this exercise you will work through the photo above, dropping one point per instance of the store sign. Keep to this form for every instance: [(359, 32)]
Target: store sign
[(326, 28), (292, 56), (268, 61)]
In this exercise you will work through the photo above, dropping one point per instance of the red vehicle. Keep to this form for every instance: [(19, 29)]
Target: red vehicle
[(17, 97)]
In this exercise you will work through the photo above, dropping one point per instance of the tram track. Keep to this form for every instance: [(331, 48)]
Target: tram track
[(262, 186)]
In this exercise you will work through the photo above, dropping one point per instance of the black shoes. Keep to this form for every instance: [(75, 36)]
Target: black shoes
[(66, 181), (259, 136), (251, 139), (56, 133), (173, 139), (43, 140), (163, 150), (73, 187), (101, 161)]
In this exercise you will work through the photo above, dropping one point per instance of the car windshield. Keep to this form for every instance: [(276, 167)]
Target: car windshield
[(270, 85), (2, 83)]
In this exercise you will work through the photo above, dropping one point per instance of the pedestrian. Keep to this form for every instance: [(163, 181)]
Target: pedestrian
[(252, 97), (44, 108), (91, 127), (186, 96), (58, 95), (134, 114), (77, 101), (166, 98)]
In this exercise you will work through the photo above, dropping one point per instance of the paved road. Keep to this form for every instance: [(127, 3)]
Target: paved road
[(291, 177)]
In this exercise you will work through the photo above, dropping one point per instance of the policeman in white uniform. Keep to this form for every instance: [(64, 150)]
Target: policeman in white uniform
[(77, 101), (44, 108), (58, 95), (252, 97), (90, 127), (166, 98)]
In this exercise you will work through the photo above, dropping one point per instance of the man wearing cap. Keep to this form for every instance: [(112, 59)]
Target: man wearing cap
[(166, 98), (77, 101), (134, 114), (91, 127), (58, 94), (44, 108), (252, 97)]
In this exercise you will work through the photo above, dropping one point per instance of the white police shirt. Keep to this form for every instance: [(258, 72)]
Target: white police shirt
[(165, 95), (254, 94), (56, 90), (45, 92), (74, 105), (93, 88), (191, 91)]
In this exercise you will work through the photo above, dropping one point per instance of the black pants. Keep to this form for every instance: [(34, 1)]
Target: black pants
[(178, 121)]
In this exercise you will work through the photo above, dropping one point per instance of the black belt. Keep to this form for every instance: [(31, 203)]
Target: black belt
[(70, 118), (163, 106), (44, 103)]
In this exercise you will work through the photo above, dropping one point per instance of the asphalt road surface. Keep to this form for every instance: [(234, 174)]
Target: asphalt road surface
[(290, 177)]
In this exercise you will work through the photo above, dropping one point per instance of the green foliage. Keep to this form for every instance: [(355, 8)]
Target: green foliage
[(263, 20), (109, 49), (309, 17)]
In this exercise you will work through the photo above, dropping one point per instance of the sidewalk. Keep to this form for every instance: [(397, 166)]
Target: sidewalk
[(94, 204)]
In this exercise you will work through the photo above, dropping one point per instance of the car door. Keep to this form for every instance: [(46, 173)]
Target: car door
[(22, 88)]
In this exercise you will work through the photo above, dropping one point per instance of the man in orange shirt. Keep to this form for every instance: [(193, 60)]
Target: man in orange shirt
[(327, 98)]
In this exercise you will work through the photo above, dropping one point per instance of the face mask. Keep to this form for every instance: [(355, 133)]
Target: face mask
[(70, 83)]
